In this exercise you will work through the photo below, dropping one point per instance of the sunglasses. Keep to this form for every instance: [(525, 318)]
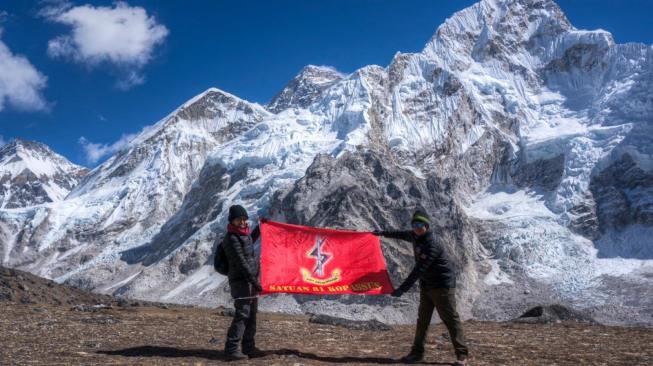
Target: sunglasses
[(418, 225)]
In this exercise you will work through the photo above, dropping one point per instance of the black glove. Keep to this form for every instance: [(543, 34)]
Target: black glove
[(397, 293), (377, 232), (257, 287)]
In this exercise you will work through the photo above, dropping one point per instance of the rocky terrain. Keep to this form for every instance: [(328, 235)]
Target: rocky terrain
[(526, 139), (48, 330), (24, 288)]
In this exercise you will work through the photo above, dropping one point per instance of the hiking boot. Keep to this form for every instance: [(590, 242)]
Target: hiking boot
[(236, 356), (460, 362), (413, 357), (253, 352)]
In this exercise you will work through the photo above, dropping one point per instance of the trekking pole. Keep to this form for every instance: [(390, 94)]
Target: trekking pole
[(246, 298)]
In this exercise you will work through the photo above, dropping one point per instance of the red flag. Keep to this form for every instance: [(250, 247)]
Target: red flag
[(305, 260)]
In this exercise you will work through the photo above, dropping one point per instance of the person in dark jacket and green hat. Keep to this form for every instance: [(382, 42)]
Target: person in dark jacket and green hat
[(436, 273), (243, 281)]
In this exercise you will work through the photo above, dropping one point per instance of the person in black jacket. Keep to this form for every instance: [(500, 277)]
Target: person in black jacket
[(436, 273), (243, 281)]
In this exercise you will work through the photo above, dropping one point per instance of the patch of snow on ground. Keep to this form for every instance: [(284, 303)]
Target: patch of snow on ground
[(508, 205), (203, 280), (496, 276)]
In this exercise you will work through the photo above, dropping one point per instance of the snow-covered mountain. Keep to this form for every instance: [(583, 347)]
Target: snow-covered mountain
[(527, 139), (124, 201), (31, 174)]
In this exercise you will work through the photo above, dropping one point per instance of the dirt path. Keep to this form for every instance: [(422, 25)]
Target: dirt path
[(56, 335)]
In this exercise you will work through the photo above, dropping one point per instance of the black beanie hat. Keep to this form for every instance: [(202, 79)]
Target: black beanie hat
[(237, 211), (421, 216)]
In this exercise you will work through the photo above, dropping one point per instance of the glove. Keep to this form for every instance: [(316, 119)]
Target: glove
[(397, 293), (377, 232), (257, 287)]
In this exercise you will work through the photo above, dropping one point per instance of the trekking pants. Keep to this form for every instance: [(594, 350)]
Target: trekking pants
[(243, 325), (444, 301)]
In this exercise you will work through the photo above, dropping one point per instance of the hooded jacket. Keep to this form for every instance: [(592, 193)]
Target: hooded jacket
[(241, 255), (433, 266)]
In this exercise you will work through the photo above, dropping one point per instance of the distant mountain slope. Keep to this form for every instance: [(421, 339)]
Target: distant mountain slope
[(26, 288), (123, 202), (31, 173)]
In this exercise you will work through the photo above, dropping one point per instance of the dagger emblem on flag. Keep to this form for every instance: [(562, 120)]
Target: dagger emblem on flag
[(321, 258)]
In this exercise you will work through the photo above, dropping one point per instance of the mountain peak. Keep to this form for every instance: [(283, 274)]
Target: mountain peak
[(208, 104), (212, 91), (19, 147), (495, 27), (18, 142), (35, 174), (315, 70), (305, 88)]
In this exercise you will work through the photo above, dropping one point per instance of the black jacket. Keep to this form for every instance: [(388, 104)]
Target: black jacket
[(243, 263), (433, 267)]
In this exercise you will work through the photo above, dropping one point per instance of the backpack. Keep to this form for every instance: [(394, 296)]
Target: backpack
[(220, 262)]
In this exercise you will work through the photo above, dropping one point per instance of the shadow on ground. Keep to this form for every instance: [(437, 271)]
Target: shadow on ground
[(157, 351)]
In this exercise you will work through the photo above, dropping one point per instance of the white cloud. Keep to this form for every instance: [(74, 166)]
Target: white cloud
[(20, 82), (96, 151), (122, 35), (130, 78)]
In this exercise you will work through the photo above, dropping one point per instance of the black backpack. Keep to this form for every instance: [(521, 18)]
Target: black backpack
[(220, 262)]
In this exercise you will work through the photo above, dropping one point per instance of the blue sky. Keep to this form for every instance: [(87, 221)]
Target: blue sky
[(249, 48)]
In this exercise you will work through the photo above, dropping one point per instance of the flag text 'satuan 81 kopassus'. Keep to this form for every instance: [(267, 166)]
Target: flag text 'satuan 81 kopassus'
[(305, 260)]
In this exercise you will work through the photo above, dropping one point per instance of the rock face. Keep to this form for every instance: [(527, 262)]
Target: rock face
[(32, 174), (527, 140), (553, 314), (364, 191), (373, 325), (624, 195), (305, 89)]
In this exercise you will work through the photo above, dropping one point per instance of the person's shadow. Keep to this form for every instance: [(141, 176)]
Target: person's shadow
[(216, 355)]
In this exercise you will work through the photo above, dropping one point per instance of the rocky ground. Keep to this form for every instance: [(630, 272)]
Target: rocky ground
[(43, 323), (57, 335)]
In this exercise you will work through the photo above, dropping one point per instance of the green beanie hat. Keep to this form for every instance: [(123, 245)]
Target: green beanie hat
[(421, 216)]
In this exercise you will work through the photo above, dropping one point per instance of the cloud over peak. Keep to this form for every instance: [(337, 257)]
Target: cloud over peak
[(20, 82), (122, 36), (95, 151)]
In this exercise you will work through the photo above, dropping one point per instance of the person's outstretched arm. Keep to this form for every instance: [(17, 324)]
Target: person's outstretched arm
[(406, 235), (256, 233), (430, 252)]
